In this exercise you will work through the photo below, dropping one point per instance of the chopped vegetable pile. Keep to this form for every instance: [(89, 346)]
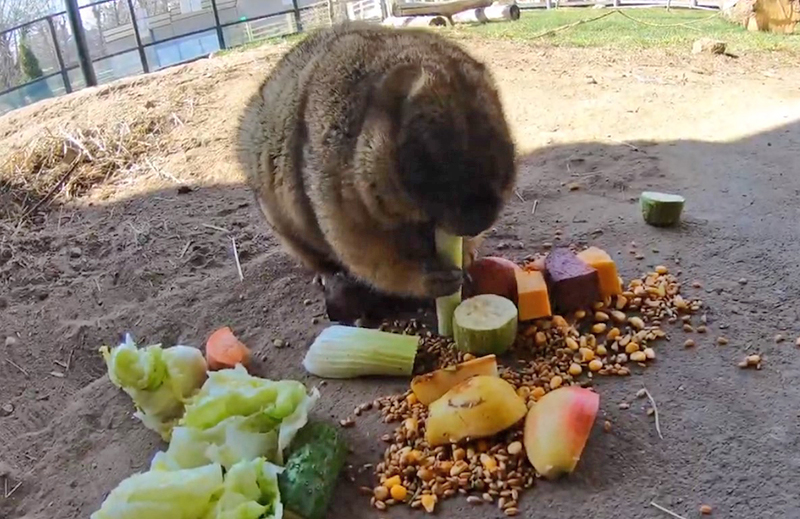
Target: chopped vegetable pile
[(474, 428), (228, 439), (242, 447)]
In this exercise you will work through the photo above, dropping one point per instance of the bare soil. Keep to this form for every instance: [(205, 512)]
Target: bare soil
[(136, 254)]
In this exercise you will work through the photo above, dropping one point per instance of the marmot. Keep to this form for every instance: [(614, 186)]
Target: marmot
[(363, 139)]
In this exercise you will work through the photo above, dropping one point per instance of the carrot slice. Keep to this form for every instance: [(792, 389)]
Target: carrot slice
[(224, 350)]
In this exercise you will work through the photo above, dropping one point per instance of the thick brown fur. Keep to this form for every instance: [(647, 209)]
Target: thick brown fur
[(364, 139)]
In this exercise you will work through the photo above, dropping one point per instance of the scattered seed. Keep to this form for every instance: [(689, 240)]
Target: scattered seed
[(722, 341), (428, 502), (475, 500), (701, 329), (688, 344), (624, 405), (631, 347), (538, 392), (601, 350), (586, 354), (650, 353), (743, 281), (619, 316), (601, 317), (607, 426), (380, 505), (636, 322), (596, 365), (556, 382), (661, 269), (514, 448), (779, 338), (599, 328), (697, 284), (575, 369), (347, 422), (688, 328), (511, 512), (381, 493), (638, 356), (705, 509)]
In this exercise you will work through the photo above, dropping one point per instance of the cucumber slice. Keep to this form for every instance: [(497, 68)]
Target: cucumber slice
[(485, 324), (316, 457), (661, 209), (451, 249)]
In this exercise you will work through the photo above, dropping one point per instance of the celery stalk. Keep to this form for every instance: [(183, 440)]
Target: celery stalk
[(348, 352), (450, 248)]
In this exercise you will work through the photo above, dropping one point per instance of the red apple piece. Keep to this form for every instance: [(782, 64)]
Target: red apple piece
[(492, 275), (557, 428)]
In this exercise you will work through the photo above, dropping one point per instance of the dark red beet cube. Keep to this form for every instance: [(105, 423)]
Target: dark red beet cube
[(572, 283)]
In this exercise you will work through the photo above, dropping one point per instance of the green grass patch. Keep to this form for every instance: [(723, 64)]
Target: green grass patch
[(289, 38), (651, 28)]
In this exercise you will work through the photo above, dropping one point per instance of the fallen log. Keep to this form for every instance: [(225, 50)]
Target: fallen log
[(415, 21), (493, 13), (446, 9)]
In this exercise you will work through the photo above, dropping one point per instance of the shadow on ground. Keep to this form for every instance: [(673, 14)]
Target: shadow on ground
[(161, 266)]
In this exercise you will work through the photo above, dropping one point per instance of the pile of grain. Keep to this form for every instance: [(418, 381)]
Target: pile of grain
[(560, 351)]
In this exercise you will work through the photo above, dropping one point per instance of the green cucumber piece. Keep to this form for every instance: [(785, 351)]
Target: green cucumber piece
[(661, 209), (485, 324), (451, 249), (316, 457)]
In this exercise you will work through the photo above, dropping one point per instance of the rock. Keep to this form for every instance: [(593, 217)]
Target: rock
[(6, 471), (708, 46), (6, 409)]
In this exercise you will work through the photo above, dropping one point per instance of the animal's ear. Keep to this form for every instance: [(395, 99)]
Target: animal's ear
[(401, 83)]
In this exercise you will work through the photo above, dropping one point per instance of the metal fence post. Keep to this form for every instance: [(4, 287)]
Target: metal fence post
[(138, 38), (220, 35), (298, 23), (59, 57), (78, 33)]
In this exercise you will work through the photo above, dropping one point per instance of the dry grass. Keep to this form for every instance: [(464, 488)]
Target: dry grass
[(69, 161)]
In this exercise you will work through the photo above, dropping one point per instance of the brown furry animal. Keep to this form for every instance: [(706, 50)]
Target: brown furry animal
[(363, 139)]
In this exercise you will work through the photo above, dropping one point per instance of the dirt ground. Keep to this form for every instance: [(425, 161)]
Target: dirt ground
[(138, 255)]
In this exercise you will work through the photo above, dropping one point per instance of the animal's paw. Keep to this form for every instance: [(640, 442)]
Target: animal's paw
[(439, 281)]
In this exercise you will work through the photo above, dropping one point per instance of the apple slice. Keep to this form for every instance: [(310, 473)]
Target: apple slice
[(492, 275), (557, 428)]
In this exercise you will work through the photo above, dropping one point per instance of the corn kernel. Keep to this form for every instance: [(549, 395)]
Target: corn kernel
[(488, 462), (398, 492), (428, 502), (392, 481)]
